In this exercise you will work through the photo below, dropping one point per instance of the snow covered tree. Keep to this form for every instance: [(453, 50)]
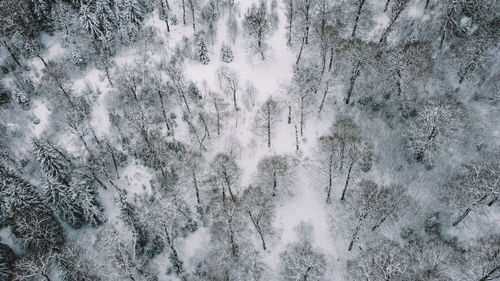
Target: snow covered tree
[(475, 184), (260, 209), (301, 260), (483, 259), (438, 124), (266, 119), (275, 173), (229, 83), (166, 219), (226, 53), (37, 230), (209, 18), (7, 258), (398, 6), (164, 12), (383, 260), (203, 52), (365, 205), (345, 144), (257, 26), (62, 199), (54, 163), (225, 174), (306, 82)]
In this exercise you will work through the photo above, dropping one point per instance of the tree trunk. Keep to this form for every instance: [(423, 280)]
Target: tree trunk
[(456, 222), (426, 4), (296, 138), (378, 224), (384, 35), (300, 52), (268, 126), (489, 274), (330, 179), (307, 32), (355, 73), (176, 261), (114, 159), (356, 21), (228, 183), (275, 182), (41, 58), (166, 23), (354, 236), (191, 6), (231, 236), (347, 181), (164, 112), (203, 121), (386, 5), (306, 274), (183, 12), (289, 114), (218, 117), (289, 43), (324, 98), (330, 65), (195, 183), (462, 217), (259, 230), (302, 116), (107, 75), (259, 43), (234, 99), (398, 81)]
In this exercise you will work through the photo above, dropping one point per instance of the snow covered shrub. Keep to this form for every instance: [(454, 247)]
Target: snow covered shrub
[(76, 58), (226, 53)]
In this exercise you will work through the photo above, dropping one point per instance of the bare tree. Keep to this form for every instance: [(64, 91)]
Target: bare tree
[(266, 119), (260, 209), (475, 184), (398, 7), (275, 172), (383, 261), (225, 174), (302, 261), (257, 26), (438, 124), (228, 82)]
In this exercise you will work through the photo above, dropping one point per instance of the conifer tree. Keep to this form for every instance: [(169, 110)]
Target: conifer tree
[(203, 52), (52, 161)]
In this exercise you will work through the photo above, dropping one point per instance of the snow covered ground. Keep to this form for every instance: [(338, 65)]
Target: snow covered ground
[(268, 77)]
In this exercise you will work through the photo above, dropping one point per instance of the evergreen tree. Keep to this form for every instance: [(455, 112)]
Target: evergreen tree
[(16, 194), (226, 53), (203, 52), (52, 161), (89, 21), (86, 195), (33, 224), (7, 258)]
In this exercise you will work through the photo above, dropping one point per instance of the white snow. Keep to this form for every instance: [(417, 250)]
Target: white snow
[(41, 112)]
